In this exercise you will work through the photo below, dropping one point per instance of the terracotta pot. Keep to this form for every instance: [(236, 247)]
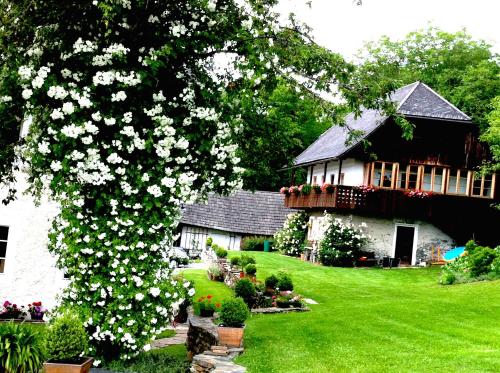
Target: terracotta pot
[(242, 274), (84, 367), (231, 337)]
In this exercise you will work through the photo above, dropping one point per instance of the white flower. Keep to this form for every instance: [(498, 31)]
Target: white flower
[(57, 114), (118, 96), (155, 292), (155, 190), (68, 108), (56, 166), (139, 296), (27, 93), (109, 121), (147, 347), (191, 292)]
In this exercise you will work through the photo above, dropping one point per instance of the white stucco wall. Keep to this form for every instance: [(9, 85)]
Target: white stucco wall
[(191, 235), (382, 233), (30, 273), (352, 169)]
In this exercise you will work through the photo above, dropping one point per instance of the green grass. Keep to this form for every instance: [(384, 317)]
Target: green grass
[(371, 320), (205, 287), (166, 334), (172, 359)]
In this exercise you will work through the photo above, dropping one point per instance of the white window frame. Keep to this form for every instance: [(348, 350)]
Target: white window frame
[(415, 240)]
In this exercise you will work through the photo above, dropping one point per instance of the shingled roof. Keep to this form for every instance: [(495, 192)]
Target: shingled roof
[(244, 212), (415, 100)]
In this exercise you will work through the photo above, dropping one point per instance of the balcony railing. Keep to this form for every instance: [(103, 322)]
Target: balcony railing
[(353, 198)]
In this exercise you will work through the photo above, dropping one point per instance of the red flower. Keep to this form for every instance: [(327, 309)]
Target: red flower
[(217, 305), (209, 296)]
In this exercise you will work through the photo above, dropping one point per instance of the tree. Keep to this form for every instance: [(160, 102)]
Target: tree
[(464, 70), (281, 123), (492, 136), (129, 120)]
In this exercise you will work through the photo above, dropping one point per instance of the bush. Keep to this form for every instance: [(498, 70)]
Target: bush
[(66, 338), (21, 348), (250, 269), (305, 189), (254, 243), (480, 260), (234, 312), (210, 241), (447, 278), (247, 259), (284, 282), (214, 273), (342, 242), (220, 252), (290, 239), (271, 282), (235, 261), (245, 289)]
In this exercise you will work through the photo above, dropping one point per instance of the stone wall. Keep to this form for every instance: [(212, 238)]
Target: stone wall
[(202, 334)]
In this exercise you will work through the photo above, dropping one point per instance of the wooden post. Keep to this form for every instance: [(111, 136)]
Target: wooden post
[(340, 171), (324, 173), (311, 176)]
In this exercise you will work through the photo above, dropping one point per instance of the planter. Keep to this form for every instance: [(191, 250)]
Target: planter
[(77, 367), (37, 316), (281, 304), (206, 313), (231, 337), (242, 274)]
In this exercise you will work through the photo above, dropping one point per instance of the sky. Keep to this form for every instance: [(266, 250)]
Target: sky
[(343, 27)]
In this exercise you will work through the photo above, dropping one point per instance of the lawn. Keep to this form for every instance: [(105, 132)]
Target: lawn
[(372, 320)]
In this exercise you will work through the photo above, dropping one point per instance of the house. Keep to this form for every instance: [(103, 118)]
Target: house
[(227, 219), (439, 165)]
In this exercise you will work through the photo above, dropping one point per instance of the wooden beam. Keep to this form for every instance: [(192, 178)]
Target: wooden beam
[(324, 173), (340, 170), (311, 177)]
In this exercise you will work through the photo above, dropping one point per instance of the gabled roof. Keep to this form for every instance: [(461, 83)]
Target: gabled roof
[(244, 212), (413, 100)]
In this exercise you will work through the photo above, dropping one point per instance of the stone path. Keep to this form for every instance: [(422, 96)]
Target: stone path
[(217, 360), (178, 339), (310, 301)]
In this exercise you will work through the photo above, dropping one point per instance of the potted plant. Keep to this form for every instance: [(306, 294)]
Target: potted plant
[(66, 342), (245, 290), (250, 270), (317, 188), (11, 311), (214, 273), (233, 314), (36, 311), (206, 307)]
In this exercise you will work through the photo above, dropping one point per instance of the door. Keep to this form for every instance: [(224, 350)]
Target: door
[(404, 243)]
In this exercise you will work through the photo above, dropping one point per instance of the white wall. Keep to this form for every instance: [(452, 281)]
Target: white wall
[(190, 236), (30, 273), (352, 169), (382, 232)]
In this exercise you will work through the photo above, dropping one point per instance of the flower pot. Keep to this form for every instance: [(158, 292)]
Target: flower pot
[(231, 337), (82, 366), (242, 274), (206, 313), (37, 316)]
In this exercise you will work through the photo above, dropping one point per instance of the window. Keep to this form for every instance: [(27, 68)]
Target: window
[(433, 179), (323, 179), (4, 234), (457, 182), (315, 180), (332, 179), (407, 177), (382, 174), (482, 185), (342, 178)]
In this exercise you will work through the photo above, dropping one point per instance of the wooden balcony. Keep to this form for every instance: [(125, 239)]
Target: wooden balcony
[(352, 198)]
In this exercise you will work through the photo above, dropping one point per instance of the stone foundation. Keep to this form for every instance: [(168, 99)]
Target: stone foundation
[(202, 334)]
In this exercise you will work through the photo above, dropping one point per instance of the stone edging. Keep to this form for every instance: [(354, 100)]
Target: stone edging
[(280, 310)]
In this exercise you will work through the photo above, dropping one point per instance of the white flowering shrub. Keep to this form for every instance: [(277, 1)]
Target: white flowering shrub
[(341, 242), (290, 240), (126, 116)]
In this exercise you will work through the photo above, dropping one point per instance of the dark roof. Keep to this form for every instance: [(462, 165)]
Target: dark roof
[(412, 100), (255, 213)]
